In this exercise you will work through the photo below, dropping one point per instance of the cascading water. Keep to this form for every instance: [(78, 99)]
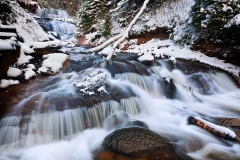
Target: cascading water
[(52, 13), (57, 21), (64, 116)]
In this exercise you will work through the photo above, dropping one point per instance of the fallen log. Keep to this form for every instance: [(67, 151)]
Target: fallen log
[(217, 130)]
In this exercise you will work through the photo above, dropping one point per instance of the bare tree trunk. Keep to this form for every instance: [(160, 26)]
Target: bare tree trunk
[(105, 44), (120, 38)]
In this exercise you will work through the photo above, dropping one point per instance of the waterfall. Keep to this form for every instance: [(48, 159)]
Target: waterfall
[(52, 13), (58, 116), (57, 21), (58, 125)]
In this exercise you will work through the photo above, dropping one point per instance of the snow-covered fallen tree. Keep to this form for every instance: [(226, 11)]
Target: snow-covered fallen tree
[(217, 130), (120, 38)]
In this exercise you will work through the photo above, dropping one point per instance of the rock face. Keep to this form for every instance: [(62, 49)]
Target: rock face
[(138, 143), (232, 122)]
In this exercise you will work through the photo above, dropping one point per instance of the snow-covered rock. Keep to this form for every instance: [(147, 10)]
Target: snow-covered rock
[(53, 62), (5, 83), (13, 72)]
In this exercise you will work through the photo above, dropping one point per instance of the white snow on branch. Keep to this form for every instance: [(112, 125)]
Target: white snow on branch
[(108, 42), (217, 127), (126, 34)]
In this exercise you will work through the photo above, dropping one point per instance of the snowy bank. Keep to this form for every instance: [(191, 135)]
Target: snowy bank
[(168, 48)]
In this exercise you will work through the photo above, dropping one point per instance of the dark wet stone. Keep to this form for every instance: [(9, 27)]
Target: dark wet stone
[(121, 119), (171, 92), (139, 143), (122, 66), (232, 122), (148, 63)]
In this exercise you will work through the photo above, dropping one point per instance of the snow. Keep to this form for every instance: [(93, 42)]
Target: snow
[(109, 41), (146, 57), (53, 62), (8, 34), (42, 69), (226, 8), (217, 127), (31, 66), (54, 43), (173, 59), (29, 73), (13, 72), (8, 44), (93, 82), (126, 34), (5, 83), (168, 48), (234, 20), (89, 37), (161, 17), (24, 58), (106, 51), (102, 89), (202, 10)]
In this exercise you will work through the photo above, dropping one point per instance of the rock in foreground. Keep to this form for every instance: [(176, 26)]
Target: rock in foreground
[(134, 143)]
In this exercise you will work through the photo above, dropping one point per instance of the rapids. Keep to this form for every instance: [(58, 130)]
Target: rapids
[(56, 121)]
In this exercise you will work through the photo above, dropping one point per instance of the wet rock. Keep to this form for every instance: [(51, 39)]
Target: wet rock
[(121, 119), (138, 143), (232, 122), (170, 90)]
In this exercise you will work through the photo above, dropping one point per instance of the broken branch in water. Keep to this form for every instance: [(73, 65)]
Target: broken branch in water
[(217, 130)]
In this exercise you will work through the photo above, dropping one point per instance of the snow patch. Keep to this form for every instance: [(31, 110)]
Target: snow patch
[(5, 83), (168, 48), (13, 72), (8, 44), (146, 57), (53, 62), (29, 73)]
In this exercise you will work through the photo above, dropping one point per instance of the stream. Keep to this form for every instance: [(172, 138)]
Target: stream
[(65, 116)]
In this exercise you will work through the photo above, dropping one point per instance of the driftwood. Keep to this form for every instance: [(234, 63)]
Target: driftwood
[(210, 127)]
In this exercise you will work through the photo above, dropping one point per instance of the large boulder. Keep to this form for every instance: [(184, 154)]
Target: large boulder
[(137, 142)]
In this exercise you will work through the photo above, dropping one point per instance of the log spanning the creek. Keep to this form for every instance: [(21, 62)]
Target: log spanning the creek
[(217, 130)]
